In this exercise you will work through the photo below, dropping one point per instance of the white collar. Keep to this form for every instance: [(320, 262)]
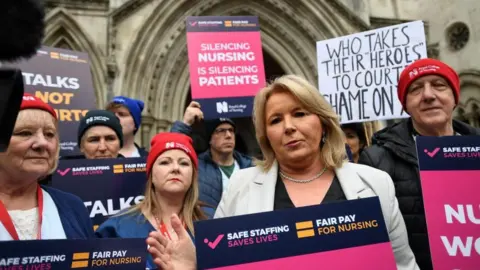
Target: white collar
[(52, 227)]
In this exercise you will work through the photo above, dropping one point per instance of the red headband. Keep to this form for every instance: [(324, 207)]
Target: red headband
[(423, 67), (167, 141), (31, 102)]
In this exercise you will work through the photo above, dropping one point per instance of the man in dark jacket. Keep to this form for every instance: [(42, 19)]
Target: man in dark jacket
[(429, 90), (216, 165)]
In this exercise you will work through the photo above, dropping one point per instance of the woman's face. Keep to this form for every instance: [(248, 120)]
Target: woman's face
[(33, 149), (353, 141), (172, 172), (293, 132), (100, 142)]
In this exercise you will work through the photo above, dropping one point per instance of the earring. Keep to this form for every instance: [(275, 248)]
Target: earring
[(324, 137)]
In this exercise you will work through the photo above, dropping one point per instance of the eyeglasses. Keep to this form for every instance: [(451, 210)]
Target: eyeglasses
[(223, 131)]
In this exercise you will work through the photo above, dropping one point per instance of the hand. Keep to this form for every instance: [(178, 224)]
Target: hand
[(192, 113), (177, 254)]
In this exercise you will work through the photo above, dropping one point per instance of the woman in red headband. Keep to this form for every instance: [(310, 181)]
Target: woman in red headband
[(27, 210), (172, 188)]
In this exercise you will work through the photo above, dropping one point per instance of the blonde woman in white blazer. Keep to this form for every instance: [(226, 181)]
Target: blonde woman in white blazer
[(304, 163)]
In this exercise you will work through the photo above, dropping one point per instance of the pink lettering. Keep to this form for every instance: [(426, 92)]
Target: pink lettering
[(474, 154), (241, 242), (267, 238), (80, 173), (14, 267)]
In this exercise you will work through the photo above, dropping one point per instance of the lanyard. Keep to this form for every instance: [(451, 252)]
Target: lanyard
[(163, 228), (7, 222)]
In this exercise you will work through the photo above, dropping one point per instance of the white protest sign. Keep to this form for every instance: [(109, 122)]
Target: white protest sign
[(358, 74)]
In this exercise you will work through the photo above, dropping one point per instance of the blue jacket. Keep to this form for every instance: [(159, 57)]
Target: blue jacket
[(133, 225), (209, 174), (73, 214)]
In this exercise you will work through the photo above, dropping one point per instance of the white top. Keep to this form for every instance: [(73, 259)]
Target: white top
[(26, 223), (225, 179), (134, 153)]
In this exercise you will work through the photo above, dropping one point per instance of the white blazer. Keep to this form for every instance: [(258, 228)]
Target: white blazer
[(252, 191)]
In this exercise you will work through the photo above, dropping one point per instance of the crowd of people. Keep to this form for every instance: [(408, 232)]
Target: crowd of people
[(304, 162)]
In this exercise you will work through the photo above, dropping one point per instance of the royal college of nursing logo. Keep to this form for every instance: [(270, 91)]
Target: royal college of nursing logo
[(28, 98), (170, 145), (413, 73), (420, 70), (97, 118), (222, 107)]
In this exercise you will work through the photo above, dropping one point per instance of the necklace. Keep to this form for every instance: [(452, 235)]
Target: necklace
[(303, 181)]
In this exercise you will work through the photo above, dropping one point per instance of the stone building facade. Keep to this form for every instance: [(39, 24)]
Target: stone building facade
[(138, 47)]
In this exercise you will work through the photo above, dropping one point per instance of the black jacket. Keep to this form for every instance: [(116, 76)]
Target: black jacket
[(393, 151)]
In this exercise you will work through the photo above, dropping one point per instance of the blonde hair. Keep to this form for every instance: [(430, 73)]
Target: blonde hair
[(333, 151), (33, 116), (370, 128), (191, 209)]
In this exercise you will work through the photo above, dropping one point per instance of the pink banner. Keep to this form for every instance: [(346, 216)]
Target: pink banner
[(225, 64), (451, 200), (329, 260), (450, 179)]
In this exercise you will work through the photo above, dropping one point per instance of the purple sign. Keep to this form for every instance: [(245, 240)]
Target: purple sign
[(61, 78)]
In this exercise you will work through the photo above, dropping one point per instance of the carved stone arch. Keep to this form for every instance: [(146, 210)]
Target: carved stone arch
[(157, 63), (468, 108), (63, 31)]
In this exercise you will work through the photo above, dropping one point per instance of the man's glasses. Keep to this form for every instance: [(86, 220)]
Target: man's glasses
[(223, 131)]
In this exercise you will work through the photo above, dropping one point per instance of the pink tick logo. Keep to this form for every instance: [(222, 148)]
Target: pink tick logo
[(433, 153), (215, 243), (64, 172), (193, 23)]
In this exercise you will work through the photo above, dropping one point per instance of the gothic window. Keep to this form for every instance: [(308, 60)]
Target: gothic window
[(458, 35), (63, 44)]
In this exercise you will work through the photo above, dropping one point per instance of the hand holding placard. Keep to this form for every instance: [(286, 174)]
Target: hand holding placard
[(192, 113)]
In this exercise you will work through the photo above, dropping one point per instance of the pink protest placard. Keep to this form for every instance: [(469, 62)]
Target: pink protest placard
[(225, 64), (339, 235), (450, 179)]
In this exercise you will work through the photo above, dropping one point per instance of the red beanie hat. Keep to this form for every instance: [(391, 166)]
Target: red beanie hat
[(423, 67), (31, 102), (167, 141)]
